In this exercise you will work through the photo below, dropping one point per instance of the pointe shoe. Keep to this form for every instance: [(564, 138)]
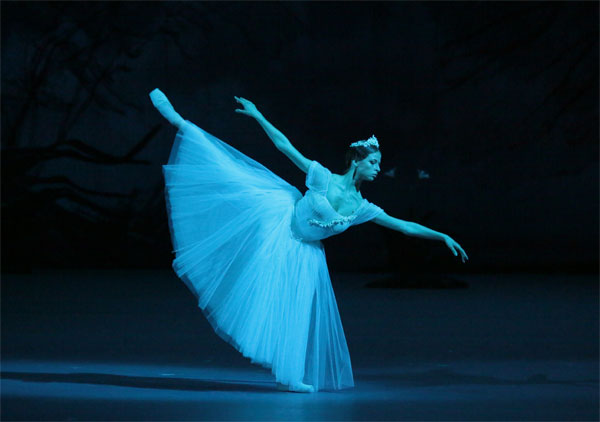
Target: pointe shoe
[(296, 387)]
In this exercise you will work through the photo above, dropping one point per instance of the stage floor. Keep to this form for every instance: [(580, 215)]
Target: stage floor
[(132, 345)]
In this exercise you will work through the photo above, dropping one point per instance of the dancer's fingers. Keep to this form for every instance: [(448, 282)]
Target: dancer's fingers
[(462, 251)]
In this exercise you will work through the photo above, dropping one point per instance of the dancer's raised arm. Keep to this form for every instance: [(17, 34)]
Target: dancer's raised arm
[(162, 104), (279, 139), (416, 230)]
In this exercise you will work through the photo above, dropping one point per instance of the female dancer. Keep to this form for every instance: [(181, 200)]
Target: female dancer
[(248, 246)]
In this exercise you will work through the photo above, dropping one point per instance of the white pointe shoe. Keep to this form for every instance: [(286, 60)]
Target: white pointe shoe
[(296, 388)]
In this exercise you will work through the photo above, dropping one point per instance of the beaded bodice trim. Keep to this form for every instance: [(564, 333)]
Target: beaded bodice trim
[(342, 220)]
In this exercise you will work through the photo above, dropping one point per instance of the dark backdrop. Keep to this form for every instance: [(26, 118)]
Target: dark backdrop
[(487, 115)]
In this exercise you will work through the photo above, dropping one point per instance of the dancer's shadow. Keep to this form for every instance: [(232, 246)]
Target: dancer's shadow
[(159, 383), (441, 377)]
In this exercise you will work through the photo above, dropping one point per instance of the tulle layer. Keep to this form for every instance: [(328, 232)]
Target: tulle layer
[(265, 292)]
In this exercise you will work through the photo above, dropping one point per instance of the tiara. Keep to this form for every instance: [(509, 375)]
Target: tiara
[(371, 141)]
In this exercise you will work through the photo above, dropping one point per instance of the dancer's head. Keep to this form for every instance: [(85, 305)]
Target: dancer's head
[(363, 159)]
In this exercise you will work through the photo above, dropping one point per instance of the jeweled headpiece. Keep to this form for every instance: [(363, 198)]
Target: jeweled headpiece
[(371, 141)]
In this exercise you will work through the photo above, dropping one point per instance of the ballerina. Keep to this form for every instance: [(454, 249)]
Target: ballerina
[(248, 246)]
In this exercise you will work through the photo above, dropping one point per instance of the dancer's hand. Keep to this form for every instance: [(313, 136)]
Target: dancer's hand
[(249, 108), (451, 243)]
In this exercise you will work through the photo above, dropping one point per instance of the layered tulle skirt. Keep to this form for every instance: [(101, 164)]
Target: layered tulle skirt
[(265, 292)]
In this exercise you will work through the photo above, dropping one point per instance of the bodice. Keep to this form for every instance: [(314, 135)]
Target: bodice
[(314, 218)]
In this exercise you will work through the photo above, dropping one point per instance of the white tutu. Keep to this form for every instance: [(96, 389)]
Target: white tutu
[(263, 290)]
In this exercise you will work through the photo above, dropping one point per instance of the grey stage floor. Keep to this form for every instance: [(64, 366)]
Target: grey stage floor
[(132, 345)]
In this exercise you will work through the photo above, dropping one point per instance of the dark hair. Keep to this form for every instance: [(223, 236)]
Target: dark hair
[(359, 153)]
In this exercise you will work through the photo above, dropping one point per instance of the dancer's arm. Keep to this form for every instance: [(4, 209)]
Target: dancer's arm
[(416, 230), (279, 139), (165, 108)]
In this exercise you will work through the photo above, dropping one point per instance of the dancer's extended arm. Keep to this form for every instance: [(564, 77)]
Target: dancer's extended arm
[(165, 108), (279, 139), (416, 230)]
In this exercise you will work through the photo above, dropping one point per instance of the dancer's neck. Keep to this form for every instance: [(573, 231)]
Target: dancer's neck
[(349, 184)]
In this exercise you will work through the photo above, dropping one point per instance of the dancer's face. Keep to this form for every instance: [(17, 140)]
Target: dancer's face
[(368, 168)]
